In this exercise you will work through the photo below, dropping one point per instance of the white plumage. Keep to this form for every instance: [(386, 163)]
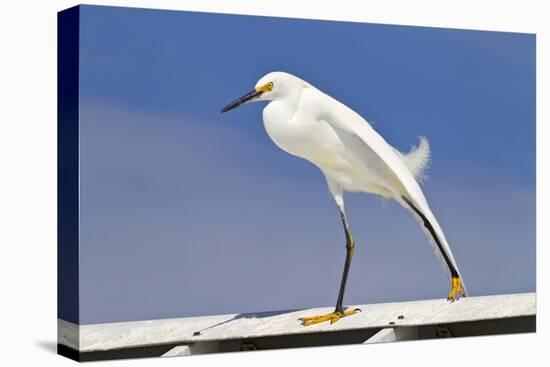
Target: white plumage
[(418, 159), (305, 122)]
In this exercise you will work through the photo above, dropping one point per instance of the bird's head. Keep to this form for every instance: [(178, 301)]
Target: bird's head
[(273, 86)]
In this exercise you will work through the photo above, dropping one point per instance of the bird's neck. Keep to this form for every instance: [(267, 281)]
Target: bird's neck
[(290, 101)]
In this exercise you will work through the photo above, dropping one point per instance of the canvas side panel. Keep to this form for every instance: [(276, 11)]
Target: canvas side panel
[(68, 165)]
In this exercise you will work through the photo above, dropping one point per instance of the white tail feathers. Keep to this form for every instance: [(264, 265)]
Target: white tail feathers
[(418, 159)]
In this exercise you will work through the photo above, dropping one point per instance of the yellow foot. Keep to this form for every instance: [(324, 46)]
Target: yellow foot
[(456, 290), (332, 317)]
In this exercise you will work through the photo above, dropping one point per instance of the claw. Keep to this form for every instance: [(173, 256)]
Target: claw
[(456, 289), (332, 317)]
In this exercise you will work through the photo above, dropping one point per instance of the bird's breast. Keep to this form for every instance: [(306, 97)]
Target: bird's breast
[(278, 124), (299, 133)]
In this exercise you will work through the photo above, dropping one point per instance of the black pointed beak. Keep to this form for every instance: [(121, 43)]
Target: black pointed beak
[(247, 97)]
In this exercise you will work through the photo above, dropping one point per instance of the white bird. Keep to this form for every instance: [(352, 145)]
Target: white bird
[(305, 122)]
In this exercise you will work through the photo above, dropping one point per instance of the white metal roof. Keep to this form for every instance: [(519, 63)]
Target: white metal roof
[(109, 336)]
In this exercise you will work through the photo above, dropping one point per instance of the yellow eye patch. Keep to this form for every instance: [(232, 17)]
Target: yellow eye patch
[(265, 88)]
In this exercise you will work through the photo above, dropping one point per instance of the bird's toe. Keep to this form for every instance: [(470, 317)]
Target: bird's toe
[(332, 317), (457, 290)]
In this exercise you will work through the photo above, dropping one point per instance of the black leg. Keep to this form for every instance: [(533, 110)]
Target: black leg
[(339, 311), (350, 249)]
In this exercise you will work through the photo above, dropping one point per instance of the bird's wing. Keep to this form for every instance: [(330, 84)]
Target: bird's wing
[(406, 190)]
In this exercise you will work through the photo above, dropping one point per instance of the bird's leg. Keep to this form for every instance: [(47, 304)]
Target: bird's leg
[(339, 311), (456, 289), (350, 250)]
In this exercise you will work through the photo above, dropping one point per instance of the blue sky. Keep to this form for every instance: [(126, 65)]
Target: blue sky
[(186, 212)]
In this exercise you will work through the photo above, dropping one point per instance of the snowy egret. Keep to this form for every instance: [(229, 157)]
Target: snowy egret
[(305, 122)]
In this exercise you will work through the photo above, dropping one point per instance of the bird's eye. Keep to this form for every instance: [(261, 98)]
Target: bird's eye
[(270, 85)]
